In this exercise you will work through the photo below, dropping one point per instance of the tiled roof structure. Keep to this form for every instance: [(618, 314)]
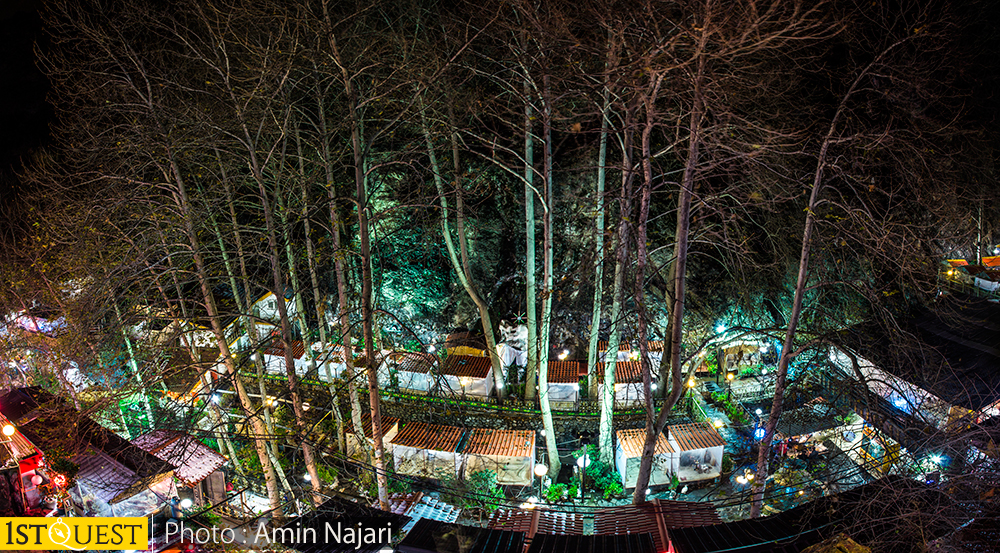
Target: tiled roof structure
[(421, 435), (366, 423), (467, 365), (277, 349), (412, 361), (625, 371), (602, 345), (510, 443), (654, 518), (536, 521), (632, 440), (697, 435), (566, 372), (193, 460)]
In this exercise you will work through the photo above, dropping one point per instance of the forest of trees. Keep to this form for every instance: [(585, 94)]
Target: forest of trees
[(595, 170)]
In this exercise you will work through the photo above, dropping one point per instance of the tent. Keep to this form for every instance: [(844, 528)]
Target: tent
[(564, 382), (427, 450), (407, 370), (628, 382), (510, 453), (698, 450), (467, 375), (628, 454)]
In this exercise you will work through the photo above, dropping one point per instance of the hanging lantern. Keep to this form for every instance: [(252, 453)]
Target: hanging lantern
[(36, 480), (59, 480)]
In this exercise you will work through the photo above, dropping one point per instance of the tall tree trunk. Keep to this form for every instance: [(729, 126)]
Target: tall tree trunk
[(181, 199), (781, 377), (547, 292), (680, 269), (595, 318), (531, 371), (606, 428)]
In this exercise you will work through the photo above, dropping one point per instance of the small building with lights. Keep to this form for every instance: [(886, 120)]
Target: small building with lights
[(691, 451), (427, 450), (466, 375), (509, 453), (408, 371)]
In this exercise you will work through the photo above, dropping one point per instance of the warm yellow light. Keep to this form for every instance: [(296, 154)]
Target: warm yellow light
[(9, 430), (730, 376), (691, 383), (718, 423)]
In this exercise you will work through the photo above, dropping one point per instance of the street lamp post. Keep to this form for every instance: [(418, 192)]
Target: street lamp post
[(540, 471), (729, 384), (583, 462)]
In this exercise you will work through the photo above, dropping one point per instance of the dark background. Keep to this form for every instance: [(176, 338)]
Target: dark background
[(24, 114)]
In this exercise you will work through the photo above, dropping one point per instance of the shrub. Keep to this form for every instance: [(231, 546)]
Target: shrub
[(555, 492), (727, 463), (613, 489)]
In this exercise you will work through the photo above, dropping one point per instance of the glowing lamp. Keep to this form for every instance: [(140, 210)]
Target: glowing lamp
[(305, 406), (307, 478), (717, 423), (720, 328), (692, 383), (9, 430), (541, 470), (431, 348), (759, 412), (36, 480), (564, 355), (59, 480), (730, 376), (186, 503)]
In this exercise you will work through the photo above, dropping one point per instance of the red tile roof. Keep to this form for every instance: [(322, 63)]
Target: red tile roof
[(511, 443), (278, 349), (697, 435), (413, 362), (366, 423), (194, 461), (537, 521), (632, 440), (602, 345), (625, 371), (566, 372), (421, 435), (467, 365)]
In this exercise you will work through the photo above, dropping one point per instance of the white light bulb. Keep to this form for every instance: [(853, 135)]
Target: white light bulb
[(186, 503)]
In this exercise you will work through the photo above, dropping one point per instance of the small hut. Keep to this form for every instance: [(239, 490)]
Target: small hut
[(628, 383), (427, 450), (564, 382), (274, 358), (698, 450), (407, 371), (510, 453), (628, 453), (196, 465), (467, 375)]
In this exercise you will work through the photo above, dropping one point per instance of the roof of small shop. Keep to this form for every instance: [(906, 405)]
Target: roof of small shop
[(412, 361), (366, 423), (194, 461), (633, 439), (508, 443), (602, 345), (467, 366), (625, 371), (342, 509), (277, 349), (698, 435), (421, 435), (566, 372)]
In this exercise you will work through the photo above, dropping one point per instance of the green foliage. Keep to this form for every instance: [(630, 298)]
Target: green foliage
[(712, 362), (60, 463), (584, 388), (675, 482), (727, 463), (555, 493), (614, 489), (732, 410), (478, 492), (572, 491), (600, 476)]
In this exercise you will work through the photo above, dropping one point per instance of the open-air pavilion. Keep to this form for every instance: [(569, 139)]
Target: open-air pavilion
[(467, 375), (427, 450), (510, 453)]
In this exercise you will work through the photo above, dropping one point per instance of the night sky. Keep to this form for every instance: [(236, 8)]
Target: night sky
[(24, 114)]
